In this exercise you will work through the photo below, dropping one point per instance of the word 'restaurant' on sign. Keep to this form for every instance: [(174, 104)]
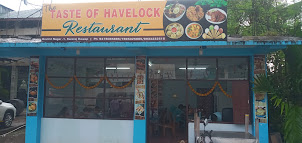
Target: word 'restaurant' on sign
[(131, 21)]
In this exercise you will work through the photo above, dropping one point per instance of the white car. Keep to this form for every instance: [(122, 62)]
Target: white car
[(7, 114)]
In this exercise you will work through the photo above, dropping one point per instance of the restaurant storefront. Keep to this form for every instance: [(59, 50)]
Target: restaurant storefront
[(136, 72)]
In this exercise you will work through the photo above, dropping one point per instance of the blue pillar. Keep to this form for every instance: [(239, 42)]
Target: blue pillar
[(139, 131), (33, 123), (263, 127), (252, 93), (140, 126)]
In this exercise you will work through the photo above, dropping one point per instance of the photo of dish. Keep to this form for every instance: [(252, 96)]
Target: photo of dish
[(140, 79), (174, 30), (260, 97), (260, 112), (195, 13), (140, 65), (140, 95), (174, 12), (213, 32), (32, 107), (33, 92), (34, 64), (140, 109), (33, 78), (260, 103), (194, 30), (216, 16)]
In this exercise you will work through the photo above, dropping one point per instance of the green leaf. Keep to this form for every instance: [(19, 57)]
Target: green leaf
[(198, 2), (282, 107), (278, 102), (219, 5), (274, 97), (212, 5), (293, 125)]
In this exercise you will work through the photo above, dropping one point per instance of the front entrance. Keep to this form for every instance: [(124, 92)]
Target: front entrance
[(167, 111), (177, 87), (167, 121)]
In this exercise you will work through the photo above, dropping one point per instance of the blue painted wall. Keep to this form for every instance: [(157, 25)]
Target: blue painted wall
[(123, 49), (33, 123), (140, 126), (263, 133), (252, 93)]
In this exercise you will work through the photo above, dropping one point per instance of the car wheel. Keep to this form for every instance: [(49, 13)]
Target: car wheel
[(7, 120)]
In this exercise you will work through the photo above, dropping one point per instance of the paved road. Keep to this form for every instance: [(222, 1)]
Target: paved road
[(17, 136)]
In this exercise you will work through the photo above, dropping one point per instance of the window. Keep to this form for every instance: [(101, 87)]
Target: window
[(227, 102), (233, 68), (167, 68), (101, 102), (202, 68)]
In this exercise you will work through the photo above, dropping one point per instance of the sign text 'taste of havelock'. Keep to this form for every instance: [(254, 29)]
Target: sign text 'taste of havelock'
[(190, 20)]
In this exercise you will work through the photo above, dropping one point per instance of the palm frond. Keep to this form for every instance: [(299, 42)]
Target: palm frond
[(293, 125), (262, 84)]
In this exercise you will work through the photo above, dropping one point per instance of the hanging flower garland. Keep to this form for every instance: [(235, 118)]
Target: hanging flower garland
[(120, 87), (58, 87), (203, 94), (224, 92), (210, 91), (89, 87)]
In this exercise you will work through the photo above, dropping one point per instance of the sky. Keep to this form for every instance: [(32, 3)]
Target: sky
[(14, 4)]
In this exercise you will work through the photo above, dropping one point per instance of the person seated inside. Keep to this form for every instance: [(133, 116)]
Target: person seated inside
[(63, 113)]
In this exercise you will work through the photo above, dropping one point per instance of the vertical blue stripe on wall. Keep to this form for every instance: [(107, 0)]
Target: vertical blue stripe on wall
[(253, 97), (263, 133), (140, 126), (263, 127), (33, 123)]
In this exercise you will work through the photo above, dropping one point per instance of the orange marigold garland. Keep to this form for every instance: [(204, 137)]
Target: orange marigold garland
[(89, 87), (224, 92), (58, 87), (210, 91), (120, 87), (203, 94)]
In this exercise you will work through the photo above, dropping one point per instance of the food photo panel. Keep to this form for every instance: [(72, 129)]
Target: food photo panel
[(195, 20)]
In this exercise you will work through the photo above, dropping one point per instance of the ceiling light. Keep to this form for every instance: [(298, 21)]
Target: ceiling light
[(185, 68), (110, 68), (201, 68), (123, 68)]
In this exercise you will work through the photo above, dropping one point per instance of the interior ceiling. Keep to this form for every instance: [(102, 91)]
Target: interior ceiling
[(14, 61)]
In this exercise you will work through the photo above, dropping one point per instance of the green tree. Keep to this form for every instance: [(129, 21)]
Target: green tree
[(283, 84), (264, 18)]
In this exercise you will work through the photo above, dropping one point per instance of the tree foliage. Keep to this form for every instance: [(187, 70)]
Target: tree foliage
[(283, 84), (264, 18)]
